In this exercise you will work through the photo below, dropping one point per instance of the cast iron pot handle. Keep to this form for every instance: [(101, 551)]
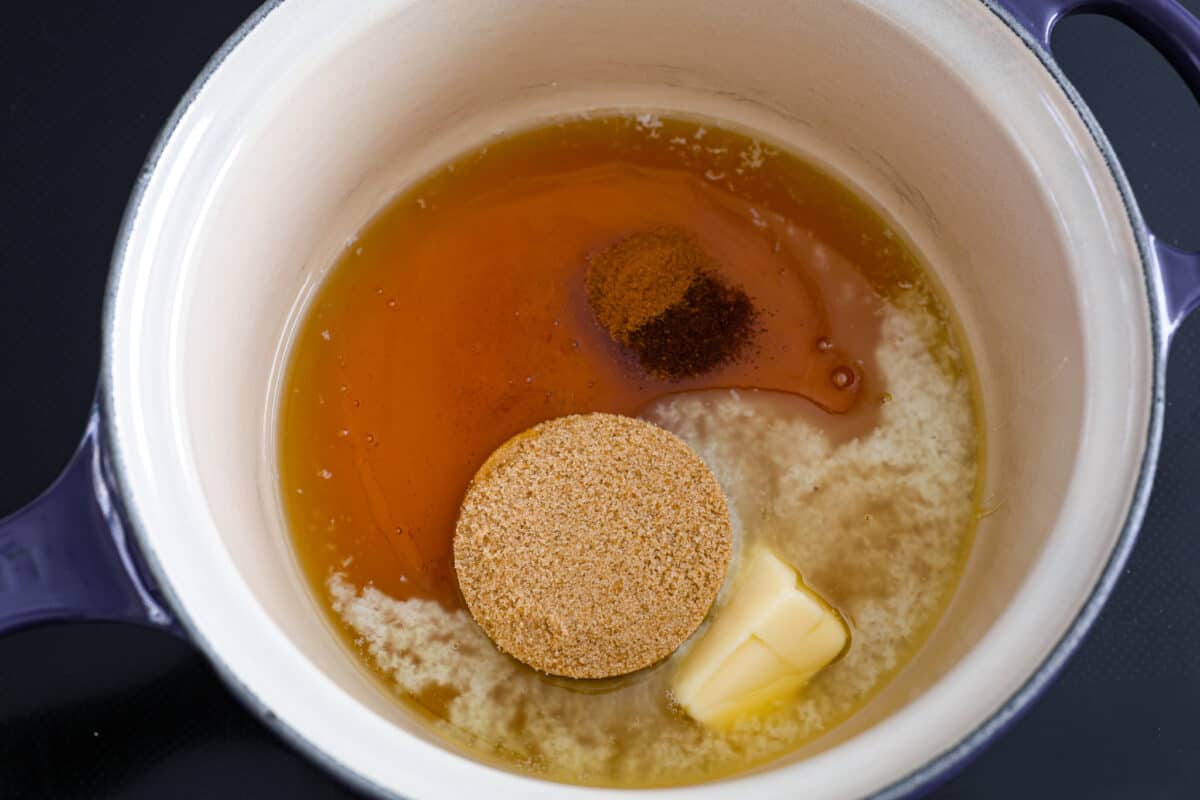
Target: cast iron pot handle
[(1175, 33), (67, 555)]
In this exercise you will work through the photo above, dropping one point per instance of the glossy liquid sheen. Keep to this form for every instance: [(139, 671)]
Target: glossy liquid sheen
[(457, 318)]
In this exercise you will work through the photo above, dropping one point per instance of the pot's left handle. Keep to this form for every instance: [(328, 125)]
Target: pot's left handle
[(66, 556), (1173, 31)]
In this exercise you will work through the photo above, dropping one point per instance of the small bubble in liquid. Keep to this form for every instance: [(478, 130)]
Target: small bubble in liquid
[(357, 404), (392, 303), (842, 377), (557, 323), (370, 438), (379, 290), (824, 344), (529, 379), (886, 397)]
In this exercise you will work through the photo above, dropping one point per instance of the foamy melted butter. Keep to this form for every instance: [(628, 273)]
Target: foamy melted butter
[(878, 525)]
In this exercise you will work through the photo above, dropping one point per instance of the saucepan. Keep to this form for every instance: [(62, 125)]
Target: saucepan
[(950, 114)]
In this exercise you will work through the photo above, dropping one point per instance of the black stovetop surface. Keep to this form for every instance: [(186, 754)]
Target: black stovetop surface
[(106, 711)]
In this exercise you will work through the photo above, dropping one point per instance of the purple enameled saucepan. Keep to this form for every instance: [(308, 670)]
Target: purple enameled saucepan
[(950, 114)]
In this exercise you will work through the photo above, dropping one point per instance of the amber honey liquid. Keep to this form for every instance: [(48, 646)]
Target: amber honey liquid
[(458, 318)]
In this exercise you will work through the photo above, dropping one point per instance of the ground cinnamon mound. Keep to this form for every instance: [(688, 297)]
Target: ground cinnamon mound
[(592, 545), (659, 294)]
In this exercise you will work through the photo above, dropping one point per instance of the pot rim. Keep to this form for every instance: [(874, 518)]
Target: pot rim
[(921, 779)]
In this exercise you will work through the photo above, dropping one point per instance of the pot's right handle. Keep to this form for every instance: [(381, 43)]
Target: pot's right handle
[(1175, 33)]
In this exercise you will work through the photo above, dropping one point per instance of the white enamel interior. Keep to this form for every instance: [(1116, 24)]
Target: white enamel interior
[(933, 107)]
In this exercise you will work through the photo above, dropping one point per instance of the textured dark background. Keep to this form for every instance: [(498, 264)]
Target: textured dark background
[(108, 711)]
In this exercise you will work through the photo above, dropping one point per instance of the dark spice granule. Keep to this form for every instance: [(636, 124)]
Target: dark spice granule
[(659, 294), (706, 329)]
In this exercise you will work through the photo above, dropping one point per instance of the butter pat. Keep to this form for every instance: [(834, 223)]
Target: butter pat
[(771, 639)]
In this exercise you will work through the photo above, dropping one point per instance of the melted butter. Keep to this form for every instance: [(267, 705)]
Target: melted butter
[(458, 319)]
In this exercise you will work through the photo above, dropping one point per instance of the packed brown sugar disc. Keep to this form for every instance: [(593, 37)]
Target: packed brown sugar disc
[(592, 545)]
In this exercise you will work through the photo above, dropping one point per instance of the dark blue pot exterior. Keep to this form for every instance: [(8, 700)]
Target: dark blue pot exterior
[(68, 555), (1175, 33), (72, 554)]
